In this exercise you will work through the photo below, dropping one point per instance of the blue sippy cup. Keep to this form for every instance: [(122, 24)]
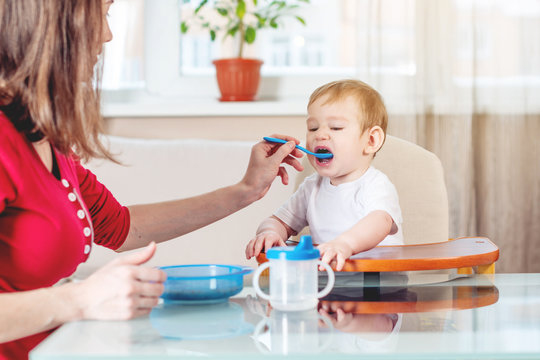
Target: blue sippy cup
[(294, 276)]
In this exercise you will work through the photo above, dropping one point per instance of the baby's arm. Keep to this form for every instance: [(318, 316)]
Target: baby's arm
[(364, 235), (271, 232)]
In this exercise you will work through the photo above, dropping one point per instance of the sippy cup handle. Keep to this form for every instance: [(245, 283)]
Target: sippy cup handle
[(331, 279), (256, 277)]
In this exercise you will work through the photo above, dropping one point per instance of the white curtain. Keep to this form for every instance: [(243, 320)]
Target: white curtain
[(469, 91)]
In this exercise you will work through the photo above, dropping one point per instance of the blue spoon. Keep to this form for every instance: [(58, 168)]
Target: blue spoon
[(317, 155)]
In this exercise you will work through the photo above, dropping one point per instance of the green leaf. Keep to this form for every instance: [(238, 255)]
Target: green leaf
[(261, 20), (241, 9), (274, 3), (222, 11), (212, 35), (249, 37), (184, 27), (232, 31), (200, 6), (255, 2), (273, 22), (301, 20)]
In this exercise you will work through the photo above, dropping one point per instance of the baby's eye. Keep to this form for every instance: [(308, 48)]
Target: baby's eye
[(336, 128), (313, 129)]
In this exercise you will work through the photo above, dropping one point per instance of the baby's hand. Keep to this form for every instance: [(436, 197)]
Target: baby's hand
[(335, 252), (264, 240)]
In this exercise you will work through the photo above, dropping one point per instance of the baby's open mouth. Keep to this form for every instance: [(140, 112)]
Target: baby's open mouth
[(322, 150)]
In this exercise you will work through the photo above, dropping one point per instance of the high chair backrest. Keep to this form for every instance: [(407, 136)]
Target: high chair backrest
[(418, 177)]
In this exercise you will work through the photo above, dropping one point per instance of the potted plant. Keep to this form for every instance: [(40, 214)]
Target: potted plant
[(238, 77)]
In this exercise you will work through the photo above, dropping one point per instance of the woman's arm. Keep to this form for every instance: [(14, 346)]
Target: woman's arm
[(35, 311), (120, 290), (167, 220)]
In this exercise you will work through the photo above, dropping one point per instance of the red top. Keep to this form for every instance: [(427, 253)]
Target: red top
[(47, 226)]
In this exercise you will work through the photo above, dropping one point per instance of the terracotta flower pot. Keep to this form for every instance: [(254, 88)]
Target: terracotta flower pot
[(238, 78)]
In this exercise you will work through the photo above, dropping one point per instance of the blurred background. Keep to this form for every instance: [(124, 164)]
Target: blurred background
[(461, 78)]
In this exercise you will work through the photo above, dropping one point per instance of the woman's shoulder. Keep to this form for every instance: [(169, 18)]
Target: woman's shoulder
[(5, 126)]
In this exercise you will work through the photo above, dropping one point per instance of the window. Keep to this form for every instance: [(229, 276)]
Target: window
[(292, 48), (412, 51), (327, 47)]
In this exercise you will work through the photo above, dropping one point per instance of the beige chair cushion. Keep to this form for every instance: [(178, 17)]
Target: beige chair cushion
[(418, 177)]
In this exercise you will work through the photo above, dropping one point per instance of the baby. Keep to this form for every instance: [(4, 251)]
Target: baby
[(348, 205)]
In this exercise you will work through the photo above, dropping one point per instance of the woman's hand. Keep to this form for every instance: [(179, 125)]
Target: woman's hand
[(121, 289), (266, 162)]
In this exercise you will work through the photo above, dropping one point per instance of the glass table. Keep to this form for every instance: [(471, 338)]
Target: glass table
[(420, 316)]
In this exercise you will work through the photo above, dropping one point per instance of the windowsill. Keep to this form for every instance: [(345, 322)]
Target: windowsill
[(141, 104), (138, 103)]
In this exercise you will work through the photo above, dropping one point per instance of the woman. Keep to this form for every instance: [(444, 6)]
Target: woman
[(52, 209)]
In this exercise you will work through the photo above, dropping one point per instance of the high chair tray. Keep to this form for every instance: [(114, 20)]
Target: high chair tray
[(455, 253)]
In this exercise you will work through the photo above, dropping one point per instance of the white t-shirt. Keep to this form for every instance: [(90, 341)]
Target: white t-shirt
[(331, 210)]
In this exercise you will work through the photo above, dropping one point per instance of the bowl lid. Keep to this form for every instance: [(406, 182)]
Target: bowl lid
[(303, 251)]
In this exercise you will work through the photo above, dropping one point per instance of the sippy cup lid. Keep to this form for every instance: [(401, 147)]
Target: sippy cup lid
[(303, 251)]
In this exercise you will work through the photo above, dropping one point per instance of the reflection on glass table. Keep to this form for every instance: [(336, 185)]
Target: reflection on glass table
[(293, 332), (475, 317), (454, 295), (198, 322), (364, 316)]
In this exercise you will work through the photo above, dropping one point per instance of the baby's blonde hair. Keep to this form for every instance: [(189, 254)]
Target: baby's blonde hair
[(372, 110)]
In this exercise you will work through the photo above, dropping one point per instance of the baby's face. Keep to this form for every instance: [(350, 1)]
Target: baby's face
[(335, 127)]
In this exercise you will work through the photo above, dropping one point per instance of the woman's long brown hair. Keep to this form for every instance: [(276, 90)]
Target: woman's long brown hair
[(48, 51)]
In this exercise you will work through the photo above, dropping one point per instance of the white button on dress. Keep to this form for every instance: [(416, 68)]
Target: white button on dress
[(65, 183), (80, 214), (87, 231), (86, 249), (72, 197)]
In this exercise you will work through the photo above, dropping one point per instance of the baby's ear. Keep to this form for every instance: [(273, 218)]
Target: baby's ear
[(375, 141)]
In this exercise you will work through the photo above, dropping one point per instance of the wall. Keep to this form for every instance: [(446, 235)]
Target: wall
[(244, 128)]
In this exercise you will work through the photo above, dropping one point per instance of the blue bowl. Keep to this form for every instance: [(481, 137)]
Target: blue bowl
[(205, 283)]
